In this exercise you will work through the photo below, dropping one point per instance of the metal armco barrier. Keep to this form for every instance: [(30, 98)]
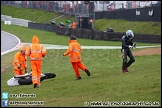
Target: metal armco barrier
[(6, 18), (15, 21)]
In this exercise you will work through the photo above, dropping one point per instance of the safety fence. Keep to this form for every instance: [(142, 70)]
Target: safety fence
[(80, 7), (65, 7), (94, 35), (116, 10)]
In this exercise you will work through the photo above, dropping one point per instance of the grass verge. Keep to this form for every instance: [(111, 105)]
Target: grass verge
[(107, 83)]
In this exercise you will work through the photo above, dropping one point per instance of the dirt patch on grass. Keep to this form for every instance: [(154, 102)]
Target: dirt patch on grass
[(3, 69), (147, 51)]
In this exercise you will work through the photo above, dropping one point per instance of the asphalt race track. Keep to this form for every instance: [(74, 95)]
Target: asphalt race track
[(8, 42)]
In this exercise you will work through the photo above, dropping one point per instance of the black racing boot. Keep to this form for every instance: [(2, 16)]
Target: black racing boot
[(36, 86), (87, 71), (78, 78)]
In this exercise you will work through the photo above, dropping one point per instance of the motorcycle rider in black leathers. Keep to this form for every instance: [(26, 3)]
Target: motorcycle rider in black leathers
[(127, 45)]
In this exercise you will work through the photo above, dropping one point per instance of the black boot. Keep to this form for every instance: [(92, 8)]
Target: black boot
[(78, 78), (87, 71), (36, 86)]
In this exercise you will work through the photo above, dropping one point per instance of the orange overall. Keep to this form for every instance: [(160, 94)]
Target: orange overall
[(20, 62), (36, 52), (74, 24), (74, 51)]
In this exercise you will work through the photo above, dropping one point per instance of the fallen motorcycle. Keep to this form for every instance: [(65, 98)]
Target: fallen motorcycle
[(26, 79)]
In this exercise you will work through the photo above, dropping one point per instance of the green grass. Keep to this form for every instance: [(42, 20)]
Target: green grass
[(106, 83), (100, 24), (123, 25), (37, 16)]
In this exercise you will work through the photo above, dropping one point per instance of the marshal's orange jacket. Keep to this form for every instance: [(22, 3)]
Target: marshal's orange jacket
[(74, 51), (36, 51)]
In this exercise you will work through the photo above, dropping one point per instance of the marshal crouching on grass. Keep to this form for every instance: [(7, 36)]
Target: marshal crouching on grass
[(20, 62)]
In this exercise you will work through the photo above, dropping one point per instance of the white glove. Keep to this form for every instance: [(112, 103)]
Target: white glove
[(130, 46)]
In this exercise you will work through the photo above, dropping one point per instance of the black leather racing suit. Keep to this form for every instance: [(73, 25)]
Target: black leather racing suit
[(126, 51)]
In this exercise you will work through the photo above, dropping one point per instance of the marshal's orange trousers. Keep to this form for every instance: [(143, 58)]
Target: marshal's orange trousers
[(36, 71), (76, 66)]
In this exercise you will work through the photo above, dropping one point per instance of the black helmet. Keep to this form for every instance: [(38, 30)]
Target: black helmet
[(72, 37)]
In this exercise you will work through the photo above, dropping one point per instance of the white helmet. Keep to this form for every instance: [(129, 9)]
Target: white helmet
[(129, 34)]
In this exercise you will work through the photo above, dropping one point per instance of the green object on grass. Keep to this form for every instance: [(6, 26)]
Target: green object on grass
[(68, 21)]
